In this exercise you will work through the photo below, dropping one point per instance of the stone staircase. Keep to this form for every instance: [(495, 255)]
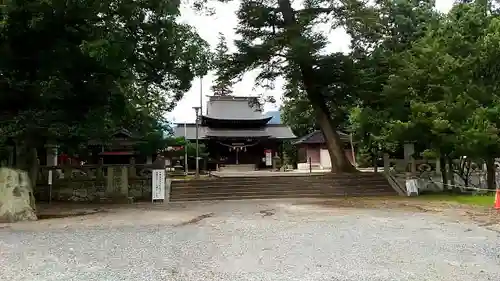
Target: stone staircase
[(292, 186), (238, 168)]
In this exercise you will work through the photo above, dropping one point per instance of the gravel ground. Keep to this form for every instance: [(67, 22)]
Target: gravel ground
[(253, 240)]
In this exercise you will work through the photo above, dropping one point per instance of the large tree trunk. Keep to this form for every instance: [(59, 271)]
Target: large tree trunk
[(339, 160), (451, 172), (27, 160), (444, 172), (490, 173)]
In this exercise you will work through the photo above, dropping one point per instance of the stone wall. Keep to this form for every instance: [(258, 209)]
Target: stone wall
[(95, 183)]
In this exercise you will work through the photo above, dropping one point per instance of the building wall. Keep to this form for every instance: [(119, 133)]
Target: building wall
[(313, 151)]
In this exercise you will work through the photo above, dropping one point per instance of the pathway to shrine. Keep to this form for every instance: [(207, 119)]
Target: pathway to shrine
[(250, 240)]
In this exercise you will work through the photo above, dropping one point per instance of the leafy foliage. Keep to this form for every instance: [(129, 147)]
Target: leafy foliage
[(280, 41), (441, 88), (222, 85), (441, 92), (80, 69)]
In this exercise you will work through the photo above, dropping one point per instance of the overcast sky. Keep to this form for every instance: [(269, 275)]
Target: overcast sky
[(224, 21)]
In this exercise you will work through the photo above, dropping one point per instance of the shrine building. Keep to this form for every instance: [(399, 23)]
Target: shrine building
[(235, 132)]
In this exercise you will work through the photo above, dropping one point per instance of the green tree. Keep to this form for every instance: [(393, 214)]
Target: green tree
[(222, 85), (442, 92), (281, 42), (458, 104), (73, 70), (380, 34)]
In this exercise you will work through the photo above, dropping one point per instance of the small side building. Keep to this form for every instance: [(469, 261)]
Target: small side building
[(313, 147), (236, 132), (120, 148)]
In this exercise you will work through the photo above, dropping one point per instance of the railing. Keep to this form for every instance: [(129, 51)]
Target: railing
[(395, 183), (398, 171), (428, 174)]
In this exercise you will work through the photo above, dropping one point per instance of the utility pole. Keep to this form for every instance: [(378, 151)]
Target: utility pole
[(201, 95), (185, 150), (197, 110)]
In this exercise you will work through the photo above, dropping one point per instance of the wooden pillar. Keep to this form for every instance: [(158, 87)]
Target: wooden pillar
[(409, 150), (51, 151), (99, 172), (413, 167), (109, 180), (386, 163), (124, 181), (10, 161), (132, 170)]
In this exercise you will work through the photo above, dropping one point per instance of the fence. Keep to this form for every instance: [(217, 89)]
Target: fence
[(95, 183), (429, 177)]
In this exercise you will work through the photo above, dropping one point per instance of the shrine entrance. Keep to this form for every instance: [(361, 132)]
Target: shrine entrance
[(241, 151), (237, 152)]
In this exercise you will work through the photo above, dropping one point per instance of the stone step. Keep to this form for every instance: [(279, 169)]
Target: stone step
[(255, 187), (277, 175), (237, 168), (321, 186), (290, 183), (217, 197), (360, 176), (333, 192), (282, 191)]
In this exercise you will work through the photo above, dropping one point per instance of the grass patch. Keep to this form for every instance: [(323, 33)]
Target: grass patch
[(478, 200)]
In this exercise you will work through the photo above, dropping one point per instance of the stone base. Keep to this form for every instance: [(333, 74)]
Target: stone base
[(117, 200), (26, 215)]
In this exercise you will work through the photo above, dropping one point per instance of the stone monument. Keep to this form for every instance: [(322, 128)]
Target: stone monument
[(17, 202)]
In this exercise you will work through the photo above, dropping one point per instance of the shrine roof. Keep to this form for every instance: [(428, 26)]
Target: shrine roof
[(317, 137), (228, 133), (121, 136), (234, 108), (273, 131)]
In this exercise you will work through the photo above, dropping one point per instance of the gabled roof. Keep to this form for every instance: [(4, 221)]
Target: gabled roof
[(234, 108), (122, 136), (274, 131), (317, 137), (123, 132), (275, 116), (214, 122)]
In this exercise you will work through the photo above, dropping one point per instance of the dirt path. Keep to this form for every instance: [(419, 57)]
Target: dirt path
[(186, 213), (485, 217), (280, 240)]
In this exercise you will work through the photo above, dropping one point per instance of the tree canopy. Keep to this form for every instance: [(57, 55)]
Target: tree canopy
[(442, 91), (82, 68), (222, 85), (412, 75), (280, 41), (73, 69)]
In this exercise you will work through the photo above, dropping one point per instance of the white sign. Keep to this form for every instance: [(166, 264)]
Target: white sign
[(50, 177), (269, 157), (158, 188), (412, 187)]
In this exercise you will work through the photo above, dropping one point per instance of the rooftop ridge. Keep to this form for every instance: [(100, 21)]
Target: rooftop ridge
[(192, 124), (230, 97)]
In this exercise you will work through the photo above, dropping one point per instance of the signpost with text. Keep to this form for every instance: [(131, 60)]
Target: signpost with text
[(158, 188)]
